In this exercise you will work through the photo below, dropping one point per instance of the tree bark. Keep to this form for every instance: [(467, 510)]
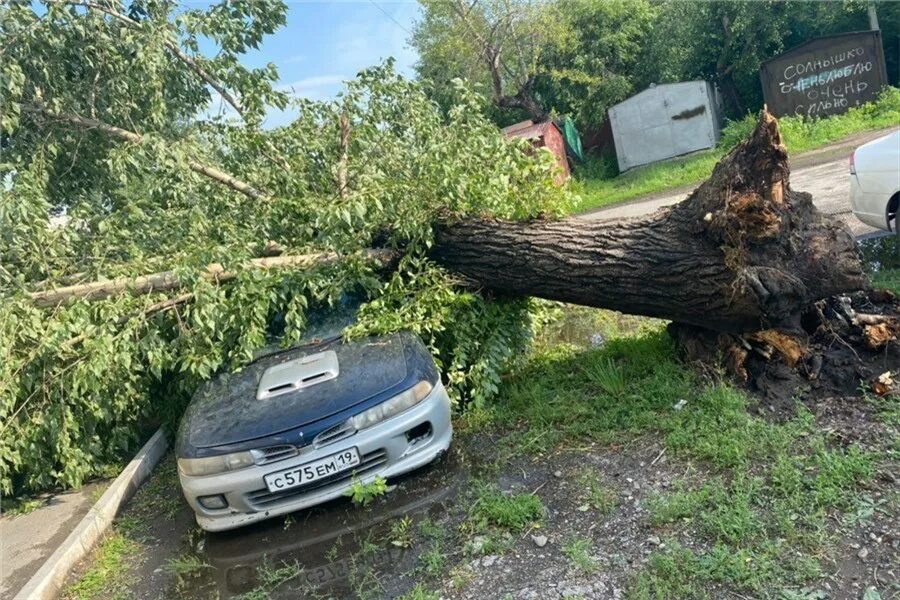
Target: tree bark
[(743, 253)]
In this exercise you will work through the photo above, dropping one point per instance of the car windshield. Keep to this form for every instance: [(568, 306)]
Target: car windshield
[(324, 323)]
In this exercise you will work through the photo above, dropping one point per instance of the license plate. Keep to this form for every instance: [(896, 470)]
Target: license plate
[(320, 575), (312, 471)]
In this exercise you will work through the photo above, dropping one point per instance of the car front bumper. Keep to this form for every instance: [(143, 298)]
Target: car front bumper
[(385, 450)]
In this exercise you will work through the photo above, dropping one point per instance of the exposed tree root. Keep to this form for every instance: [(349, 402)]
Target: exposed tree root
[(843, 344)]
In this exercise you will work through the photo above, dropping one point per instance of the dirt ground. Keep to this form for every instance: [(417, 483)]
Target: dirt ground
[(417, 539)]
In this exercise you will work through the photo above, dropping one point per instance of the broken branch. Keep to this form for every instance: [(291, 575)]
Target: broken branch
[(125, 135), (168, 280)]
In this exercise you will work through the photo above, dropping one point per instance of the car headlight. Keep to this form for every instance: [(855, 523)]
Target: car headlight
[(394, 406), (215, 464)]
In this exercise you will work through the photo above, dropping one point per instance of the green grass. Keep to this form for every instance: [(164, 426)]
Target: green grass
[(881, 256), (763, 512), (108, 571), (270, 577), (14, 507), (598, 188), (432, 561), (420, 593), (510, 513), (596, 493), (887, 279), (578, 551)]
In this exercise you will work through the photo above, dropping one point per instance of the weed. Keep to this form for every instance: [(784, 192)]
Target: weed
[(364, 581), (578, 551), (460, 577), (864, 511), (400, 533), (803, 594), (332, 553), (432, 560), (273, 577), (512, 513), (598, 495), (419, 593), (368, 547), (270, 578), (431, 530), (14, 507), (364, 493), (108, 571), (186, 564), (608, 375)]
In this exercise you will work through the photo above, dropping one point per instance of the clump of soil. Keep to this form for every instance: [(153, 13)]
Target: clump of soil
[(852, 347), (842, 346)]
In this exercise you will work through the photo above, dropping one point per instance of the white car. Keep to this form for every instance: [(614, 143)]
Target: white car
[(875, 182)]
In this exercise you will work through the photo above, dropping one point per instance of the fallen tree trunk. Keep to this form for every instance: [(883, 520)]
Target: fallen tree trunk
[(743, 253)]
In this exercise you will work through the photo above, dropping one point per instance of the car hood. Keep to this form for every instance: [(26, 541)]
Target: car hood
[(226, 409)]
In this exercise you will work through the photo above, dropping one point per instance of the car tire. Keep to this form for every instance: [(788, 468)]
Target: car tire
[(439, 458)]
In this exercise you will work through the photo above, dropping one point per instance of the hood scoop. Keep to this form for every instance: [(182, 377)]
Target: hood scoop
[(297, 374)]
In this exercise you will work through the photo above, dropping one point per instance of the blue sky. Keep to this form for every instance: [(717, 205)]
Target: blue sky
[(325, 43)]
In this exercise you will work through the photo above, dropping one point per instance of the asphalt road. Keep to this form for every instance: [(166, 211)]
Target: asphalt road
[(823, 173)]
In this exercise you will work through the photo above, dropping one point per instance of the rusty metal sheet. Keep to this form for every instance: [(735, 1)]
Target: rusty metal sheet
[(825, 76)]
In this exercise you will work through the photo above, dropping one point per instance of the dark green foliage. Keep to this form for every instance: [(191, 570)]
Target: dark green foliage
[(514, 513), (598, 53)]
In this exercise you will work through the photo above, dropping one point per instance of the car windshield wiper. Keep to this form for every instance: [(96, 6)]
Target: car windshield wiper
[(314, 342)]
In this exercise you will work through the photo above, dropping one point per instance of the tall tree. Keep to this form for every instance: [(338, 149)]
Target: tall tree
[(724, 42), (596, 64), (498, 43), (727, 41), (575, 57)]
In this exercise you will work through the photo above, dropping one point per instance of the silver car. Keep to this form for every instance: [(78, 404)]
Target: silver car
[(875, 182), (298, 427)]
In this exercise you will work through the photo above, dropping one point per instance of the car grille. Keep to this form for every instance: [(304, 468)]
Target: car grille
[(263, 499), (334, 434), (264, 456)]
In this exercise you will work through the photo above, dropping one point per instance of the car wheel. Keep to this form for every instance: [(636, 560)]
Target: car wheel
[(438, 459)]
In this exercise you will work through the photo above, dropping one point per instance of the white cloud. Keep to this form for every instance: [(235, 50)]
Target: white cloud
[(320, 87), (293, 60)]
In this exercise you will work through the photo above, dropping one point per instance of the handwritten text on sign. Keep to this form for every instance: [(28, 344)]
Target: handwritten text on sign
[(821, 79), (824, 90)]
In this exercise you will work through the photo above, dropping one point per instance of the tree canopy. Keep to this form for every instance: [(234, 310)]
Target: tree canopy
[(579, 57), (116, 164)]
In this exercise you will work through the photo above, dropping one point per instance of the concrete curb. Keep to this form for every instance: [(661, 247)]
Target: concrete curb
[(50, 578)]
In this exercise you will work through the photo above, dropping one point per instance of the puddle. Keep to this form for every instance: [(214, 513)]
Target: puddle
[(587, 327), (336, 550), (880, 251)]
